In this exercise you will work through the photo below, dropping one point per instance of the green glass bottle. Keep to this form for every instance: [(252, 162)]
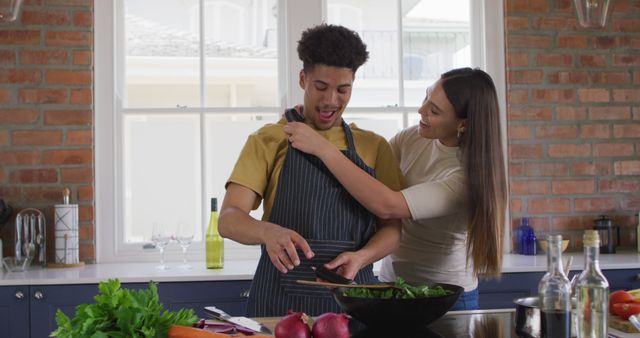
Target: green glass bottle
[(214, 243)]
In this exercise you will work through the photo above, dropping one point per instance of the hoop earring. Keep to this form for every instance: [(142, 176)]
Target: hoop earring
[(459, 134)]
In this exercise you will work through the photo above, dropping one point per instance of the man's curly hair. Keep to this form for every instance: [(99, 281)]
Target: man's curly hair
[(331, 45)]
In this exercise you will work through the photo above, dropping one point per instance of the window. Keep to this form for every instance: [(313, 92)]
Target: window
[(181, 84)]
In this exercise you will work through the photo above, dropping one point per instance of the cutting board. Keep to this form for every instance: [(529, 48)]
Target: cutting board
[(622, 325)]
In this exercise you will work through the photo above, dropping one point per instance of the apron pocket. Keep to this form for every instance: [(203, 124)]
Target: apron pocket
[(325, 251)]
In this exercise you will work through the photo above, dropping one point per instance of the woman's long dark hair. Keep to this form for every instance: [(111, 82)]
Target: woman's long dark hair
[(473, 95)]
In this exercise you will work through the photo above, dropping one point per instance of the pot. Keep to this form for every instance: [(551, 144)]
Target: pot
[(527, 317)]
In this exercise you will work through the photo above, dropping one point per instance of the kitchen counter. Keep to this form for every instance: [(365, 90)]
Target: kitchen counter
[(243, 270)]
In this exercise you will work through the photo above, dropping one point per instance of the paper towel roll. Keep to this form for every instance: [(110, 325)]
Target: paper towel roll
[(67, 247)]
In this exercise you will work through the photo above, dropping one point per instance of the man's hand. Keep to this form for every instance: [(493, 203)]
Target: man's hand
[(347, 264), (281, 244)]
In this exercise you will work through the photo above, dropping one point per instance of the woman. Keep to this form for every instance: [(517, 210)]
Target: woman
[(453, 209)]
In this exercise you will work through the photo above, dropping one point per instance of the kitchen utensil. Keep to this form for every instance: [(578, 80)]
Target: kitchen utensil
[(527, 317), (609, 234), (407, 312), (346, 286), (14, 264), (241, 321), (330, 276)]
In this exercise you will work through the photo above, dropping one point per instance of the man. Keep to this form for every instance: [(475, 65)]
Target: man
[(309, 219)]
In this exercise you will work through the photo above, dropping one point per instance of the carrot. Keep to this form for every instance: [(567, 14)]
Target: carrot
[(178, 331)]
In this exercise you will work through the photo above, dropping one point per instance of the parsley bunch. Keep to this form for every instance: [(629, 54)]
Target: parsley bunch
[(120, 313)]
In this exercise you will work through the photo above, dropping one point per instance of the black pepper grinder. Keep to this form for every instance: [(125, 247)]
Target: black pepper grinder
[(608, 232)]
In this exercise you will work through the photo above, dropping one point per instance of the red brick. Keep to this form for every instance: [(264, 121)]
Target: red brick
[(557, 132), (33, 2), (528, 41), (82, 57), (533, 187), (68, 117), (525, 151), (3, 176), (572, 41), (19, 37), (563, 6), (618, 185), (571, 113), (19, 76), (515, 59), (527, 6), (4, 137), (85, 231), (547, 169), (81, 96), (539, 224), (530, 114), (25, 157), (69, 39), (554, 60), (569, 150), (76, 175), (554, 23), (5, 95), (53, 96), (632, 204), (626, 95), (87, 253), (68, 156), (70, 77), (85, 193), (609, 113), (601, 204), (548, 205), (593, 131), (516, 96), (7, 57), (18, 116), (636, 77), (517, 23), (611, 42), (626, 25), (48, 18), (593, 95), (612, 149), (568, 77), (571, 223), (516, 169), (636, 113), (590, 168), (626, 167), (26, 176), (10, 193), (592, 60), (85, 213), (37, 137), (40, 194), (626, 130), (77, 3), (524, 77), (516, 205), (554, 95), (519, 132), (571, 187), (83, 19), (43, 57), (79, 137), (626, 60)]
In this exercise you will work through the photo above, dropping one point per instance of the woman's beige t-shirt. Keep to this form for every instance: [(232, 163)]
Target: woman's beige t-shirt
[(433, 244)]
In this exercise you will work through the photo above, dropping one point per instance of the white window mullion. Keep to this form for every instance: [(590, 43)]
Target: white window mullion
[(405, 114)]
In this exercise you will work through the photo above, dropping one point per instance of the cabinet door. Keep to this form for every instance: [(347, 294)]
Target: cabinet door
[(499, 294), (14, 311), (229, 296), (47, 299), (622, 279)]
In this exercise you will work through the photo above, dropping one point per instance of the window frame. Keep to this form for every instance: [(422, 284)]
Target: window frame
[(487, 36)]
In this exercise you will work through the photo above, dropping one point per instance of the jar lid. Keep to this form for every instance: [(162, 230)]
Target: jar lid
[(591, 237)]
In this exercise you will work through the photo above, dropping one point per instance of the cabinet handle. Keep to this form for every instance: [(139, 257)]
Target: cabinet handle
[(244, 294), (19, 294), (38, 295)]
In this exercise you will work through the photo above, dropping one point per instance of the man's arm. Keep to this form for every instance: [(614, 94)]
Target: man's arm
[(236, 223), (382, 243)]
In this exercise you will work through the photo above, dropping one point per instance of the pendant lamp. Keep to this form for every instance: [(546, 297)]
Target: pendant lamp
[(9, 10), (592, 13)]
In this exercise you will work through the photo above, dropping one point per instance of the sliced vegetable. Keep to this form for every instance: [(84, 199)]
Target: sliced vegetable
[(619, 296), (624, 310)]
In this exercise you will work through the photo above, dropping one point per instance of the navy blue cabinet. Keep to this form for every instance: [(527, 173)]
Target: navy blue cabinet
[(14, 311)]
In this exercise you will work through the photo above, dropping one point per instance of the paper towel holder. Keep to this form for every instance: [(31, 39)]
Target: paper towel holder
[(66, 222)]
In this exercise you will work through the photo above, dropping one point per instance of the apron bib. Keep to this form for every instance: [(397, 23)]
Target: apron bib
[(311, 201)]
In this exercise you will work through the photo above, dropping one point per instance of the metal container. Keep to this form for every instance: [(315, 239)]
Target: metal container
[(527, 317)]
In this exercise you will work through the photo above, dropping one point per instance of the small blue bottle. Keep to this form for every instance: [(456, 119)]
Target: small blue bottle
[(530, 242), (526, 238)]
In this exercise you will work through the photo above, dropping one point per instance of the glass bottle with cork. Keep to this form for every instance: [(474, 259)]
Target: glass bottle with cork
[(554, 291), (214, 243), (592, 291)]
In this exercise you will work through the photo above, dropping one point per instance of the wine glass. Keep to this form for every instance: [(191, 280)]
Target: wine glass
[(184, 236), (160, 238)]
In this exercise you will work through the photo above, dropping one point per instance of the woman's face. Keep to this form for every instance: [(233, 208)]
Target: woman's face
[(438, 118)]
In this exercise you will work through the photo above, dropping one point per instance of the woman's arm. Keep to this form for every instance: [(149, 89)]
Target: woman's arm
[(371, 193)]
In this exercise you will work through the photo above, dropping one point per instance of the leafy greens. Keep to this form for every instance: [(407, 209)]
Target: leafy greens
[(120, 313), (405, 291)]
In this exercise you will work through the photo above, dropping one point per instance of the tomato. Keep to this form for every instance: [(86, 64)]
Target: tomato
[(619, 296), (624, 310)]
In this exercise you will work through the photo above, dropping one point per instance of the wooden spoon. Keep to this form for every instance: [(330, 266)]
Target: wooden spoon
[(336, 285)]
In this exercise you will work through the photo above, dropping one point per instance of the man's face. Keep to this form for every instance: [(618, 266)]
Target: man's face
[(327, 91)]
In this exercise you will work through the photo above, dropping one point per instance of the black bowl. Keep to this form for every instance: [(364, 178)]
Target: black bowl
[(401, 312)]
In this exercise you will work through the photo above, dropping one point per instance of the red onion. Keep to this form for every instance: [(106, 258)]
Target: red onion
[(293, 325), (331, 325)]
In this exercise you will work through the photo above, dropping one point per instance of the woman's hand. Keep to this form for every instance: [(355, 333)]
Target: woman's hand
[(347, 264), (305, 139)]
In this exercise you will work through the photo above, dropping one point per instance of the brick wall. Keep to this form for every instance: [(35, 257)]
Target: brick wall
[(46, 113), (573, 117)]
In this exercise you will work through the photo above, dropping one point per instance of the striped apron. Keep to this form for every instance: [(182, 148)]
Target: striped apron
[(311, 201)]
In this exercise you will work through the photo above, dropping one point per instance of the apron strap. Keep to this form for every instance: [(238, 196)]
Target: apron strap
[(292, 115)]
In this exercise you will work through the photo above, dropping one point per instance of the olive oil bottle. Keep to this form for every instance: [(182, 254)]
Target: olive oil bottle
[(214, 243)]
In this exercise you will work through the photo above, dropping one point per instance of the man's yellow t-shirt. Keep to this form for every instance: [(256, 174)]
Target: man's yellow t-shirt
[(261, 160)]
